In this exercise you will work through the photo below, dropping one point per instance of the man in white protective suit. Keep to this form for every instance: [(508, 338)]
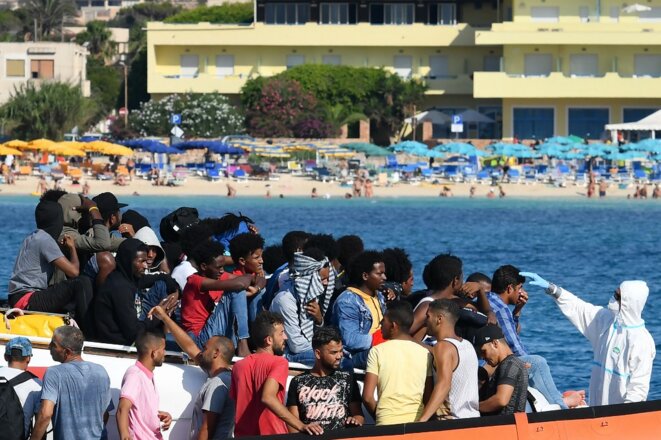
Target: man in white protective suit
[(623, 348)]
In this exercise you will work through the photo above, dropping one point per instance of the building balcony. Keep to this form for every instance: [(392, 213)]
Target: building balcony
[(602, 34), (310, 35), (203, 83), (558, 85), (456, 85)]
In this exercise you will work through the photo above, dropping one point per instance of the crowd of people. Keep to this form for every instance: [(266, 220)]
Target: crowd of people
[(212, 289)]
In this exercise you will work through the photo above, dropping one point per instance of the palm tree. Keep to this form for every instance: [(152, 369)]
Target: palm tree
[(339, 115), (99, 39), (50, 14)]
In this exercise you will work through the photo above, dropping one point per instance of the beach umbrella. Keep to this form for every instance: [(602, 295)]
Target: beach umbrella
[(73, 144), (358, 146), (561, 140), (463, 148), (472, 116), (40, 144), (63, 150), (5, 150), (407, 146), (376, 151), (433, 116), (15, 143)]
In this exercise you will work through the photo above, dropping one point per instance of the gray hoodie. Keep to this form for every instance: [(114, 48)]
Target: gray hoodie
[(148, 237)]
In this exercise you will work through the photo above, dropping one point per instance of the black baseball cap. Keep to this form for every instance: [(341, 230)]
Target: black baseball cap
[(486, 334), (107, 203)]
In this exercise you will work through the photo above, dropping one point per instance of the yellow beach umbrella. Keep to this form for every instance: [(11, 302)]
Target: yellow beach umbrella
[(40, 144), (15, 143), (73, 144), (5, 150), (63, 150)]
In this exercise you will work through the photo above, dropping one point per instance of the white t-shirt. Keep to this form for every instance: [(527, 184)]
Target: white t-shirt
[(29, 393), (182, 272)]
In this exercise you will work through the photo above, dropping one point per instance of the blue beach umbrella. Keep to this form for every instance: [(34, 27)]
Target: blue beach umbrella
[(407, 146)]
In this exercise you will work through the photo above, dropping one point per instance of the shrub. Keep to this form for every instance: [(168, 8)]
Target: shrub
[(226, 13)]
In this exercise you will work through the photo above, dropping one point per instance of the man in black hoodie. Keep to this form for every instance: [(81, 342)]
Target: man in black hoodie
[(36, 261), (119, 306)]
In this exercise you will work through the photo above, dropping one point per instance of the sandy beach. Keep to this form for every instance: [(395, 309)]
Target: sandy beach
[(301, 186)]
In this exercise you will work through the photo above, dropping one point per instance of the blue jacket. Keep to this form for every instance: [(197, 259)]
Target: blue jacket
[(353, 318)]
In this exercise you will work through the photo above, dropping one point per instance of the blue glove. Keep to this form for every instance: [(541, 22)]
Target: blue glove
[(535, 279)]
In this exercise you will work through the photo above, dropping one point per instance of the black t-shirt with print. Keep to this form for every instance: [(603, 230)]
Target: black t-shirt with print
[(324, 400)]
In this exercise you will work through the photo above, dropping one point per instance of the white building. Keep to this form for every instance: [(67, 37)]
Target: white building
[(39, 62)]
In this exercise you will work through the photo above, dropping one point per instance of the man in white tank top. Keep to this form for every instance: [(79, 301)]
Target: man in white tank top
[(455, 394)]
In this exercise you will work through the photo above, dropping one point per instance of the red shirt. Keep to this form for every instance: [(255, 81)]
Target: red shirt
[(196, 306), (248, 377)]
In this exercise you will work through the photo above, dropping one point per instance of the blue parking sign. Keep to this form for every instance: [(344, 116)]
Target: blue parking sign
[(457, 119), (175, 119)]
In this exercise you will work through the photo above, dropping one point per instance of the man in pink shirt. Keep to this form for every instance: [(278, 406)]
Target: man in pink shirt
[(138, 417)]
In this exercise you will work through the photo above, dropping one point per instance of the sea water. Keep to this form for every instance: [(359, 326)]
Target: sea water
[(585, 246)]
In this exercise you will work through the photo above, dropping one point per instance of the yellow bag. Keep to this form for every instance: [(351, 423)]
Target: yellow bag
[(32, 324)]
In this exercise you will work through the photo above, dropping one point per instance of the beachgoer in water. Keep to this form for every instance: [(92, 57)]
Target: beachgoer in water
[(446, 192), (259, 381), (491, 194), (501, 193), (603, 186), (358, 311), (80, 390), (509, 382), (657, 192), (399, 368), (42, 186), (347, 195), (314, 194), (337, 404), (623, 349), (231, 190), (472, 191), (138, 415), (643, 192), (369, 188), (357, 186), (507, 290), (455, 394)]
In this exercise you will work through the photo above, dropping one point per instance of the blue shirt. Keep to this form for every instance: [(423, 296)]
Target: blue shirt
[(507, 323), (81, 393)]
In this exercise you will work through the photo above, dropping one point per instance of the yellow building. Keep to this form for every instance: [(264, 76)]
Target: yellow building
[(550, 67)]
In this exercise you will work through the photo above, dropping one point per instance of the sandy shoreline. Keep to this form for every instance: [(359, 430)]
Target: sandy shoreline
[(301, 186)]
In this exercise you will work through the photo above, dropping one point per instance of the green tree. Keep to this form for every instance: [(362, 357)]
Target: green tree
[(227, 13), (106, 82), (338, 115), (48, 111), (99, 39), (50, 14)]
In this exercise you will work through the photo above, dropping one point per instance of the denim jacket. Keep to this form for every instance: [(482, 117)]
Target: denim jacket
[(353, 318)]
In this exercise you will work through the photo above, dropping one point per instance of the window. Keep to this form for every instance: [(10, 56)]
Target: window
[(584, 65), (16, 68), (538, 64), (636, 114), (652, 16), (587, 122), (615, 14), (403, 65), (391, 13), (442, 13), (584, 14), (491, 63), (295, 60), (491, 130), (42, 69), (533, 123), (287, 13), (331, 60), (337, 13), (224, 65), (189, 66), (439, 66), (647, 65), (544, 14)]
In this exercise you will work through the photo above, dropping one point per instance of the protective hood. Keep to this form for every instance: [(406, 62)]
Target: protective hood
[(148, 237), (68, 202), (634, 295), (126, 254), (48, 216)]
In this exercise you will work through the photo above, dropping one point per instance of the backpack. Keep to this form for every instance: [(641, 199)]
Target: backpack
[(177, 220), (11, 410)]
